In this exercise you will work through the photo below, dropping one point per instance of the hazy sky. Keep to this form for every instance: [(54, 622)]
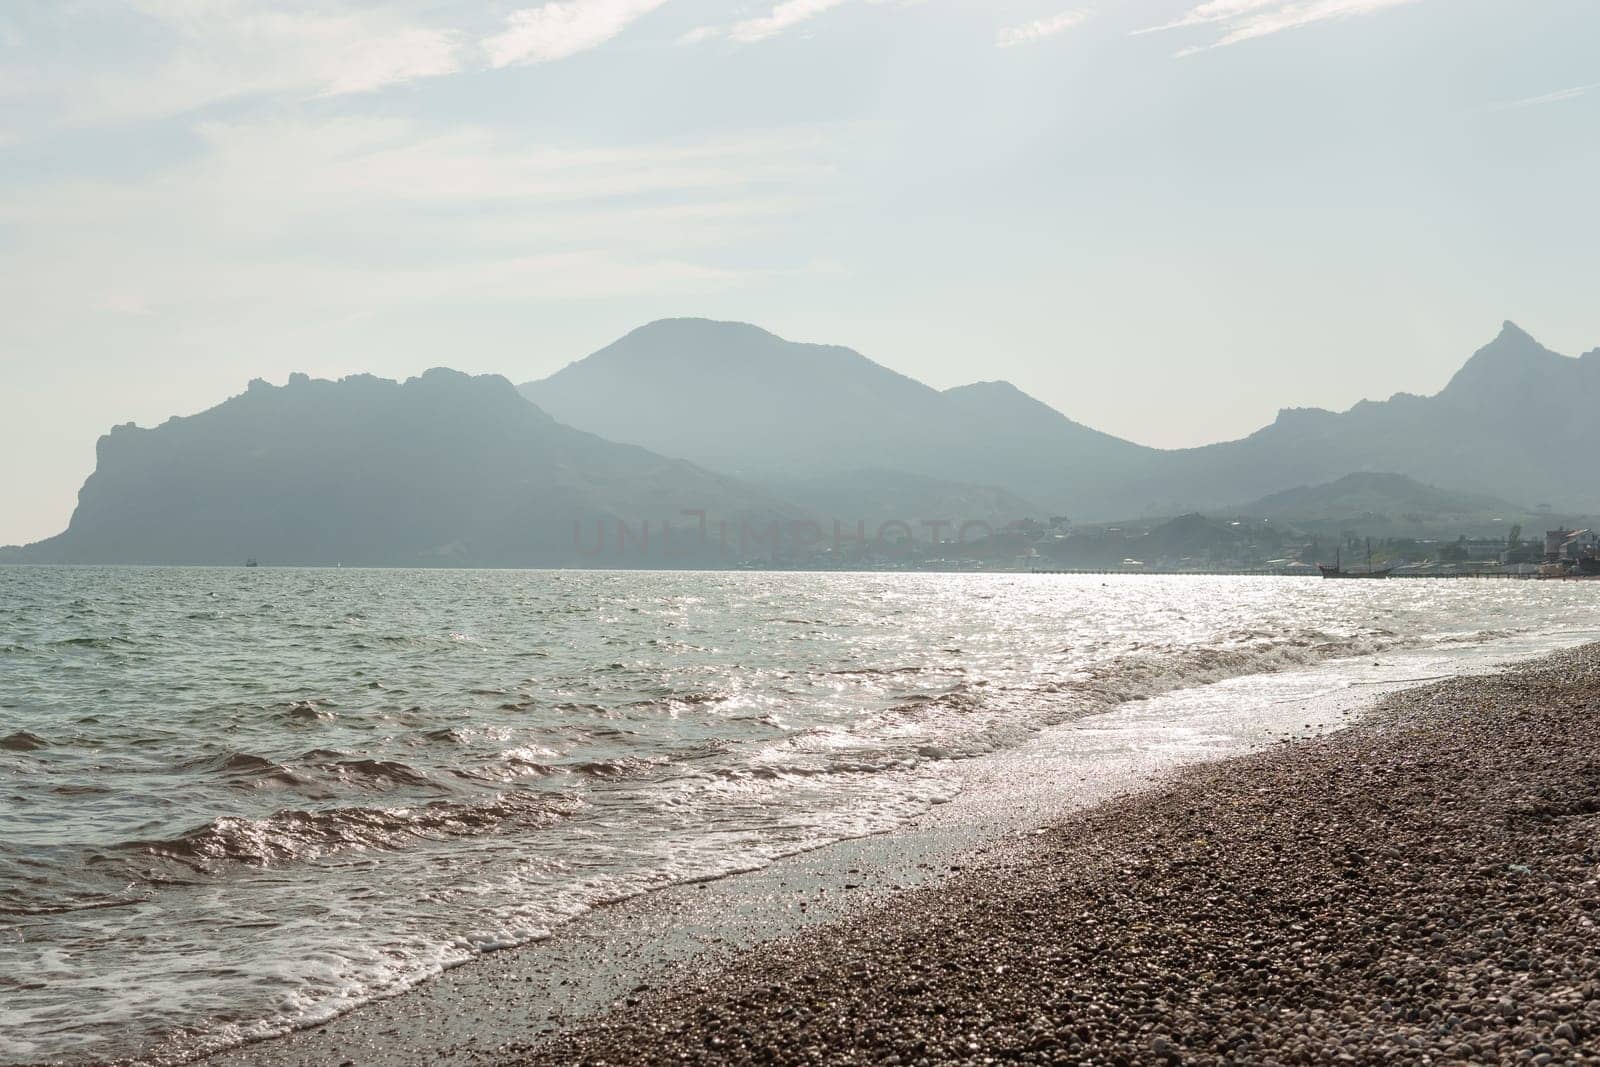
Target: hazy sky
[(1166, 218)]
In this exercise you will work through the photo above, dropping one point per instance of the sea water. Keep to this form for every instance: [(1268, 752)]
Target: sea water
[(235, 802)]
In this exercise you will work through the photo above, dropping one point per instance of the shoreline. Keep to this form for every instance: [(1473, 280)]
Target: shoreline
[(1422, 887), (617, 953)]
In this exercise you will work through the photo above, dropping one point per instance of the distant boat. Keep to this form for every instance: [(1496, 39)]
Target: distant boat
[(251, 562), (1338, 571)]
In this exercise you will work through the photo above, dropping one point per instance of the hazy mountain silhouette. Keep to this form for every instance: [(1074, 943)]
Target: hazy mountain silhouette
[(443, 469), (1513, 423), (738, 399), (1392, 505), (448, 468), (1517, 421)]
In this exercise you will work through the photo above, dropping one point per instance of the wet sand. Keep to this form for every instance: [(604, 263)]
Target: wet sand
[(1423, 887)]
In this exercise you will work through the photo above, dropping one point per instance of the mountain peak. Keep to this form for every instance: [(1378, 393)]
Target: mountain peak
[(736, 398), (1513, 340), (1512, 361), (691, 328), (996, 387), (692, 345), (999, 397)]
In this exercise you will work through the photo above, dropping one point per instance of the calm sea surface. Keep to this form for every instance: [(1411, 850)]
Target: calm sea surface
[(234, 802)]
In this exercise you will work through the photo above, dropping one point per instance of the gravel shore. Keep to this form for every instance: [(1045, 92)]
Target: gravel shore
[(1423, 887)]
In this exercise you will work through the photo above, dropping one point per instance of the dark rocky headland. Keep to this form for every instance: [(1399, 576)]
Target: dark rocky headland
[(1421, 888)]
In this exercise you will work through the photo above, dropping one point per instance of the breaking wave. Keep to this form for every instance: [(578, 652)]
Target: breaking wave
[(291, 836), (1141, 675)]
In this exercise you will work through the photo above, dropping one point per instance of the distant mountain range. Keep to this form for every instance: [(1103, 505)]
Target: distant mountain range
[(1513, 422), (687, 425), (1518, 421), (1392, 505)]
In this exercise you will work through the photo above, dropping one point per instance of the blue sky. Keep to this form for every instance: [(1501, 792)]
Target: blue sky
[(1166, 218)]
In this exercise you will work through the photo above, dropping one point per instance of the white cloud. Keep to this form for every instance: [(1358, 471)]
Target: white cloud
[(227, 49), (1246, 20), (784, 16), (562, 28), (1548, 98), (400, 56), (317, 220), (215, 50), (1214, 11), (1039, 29)]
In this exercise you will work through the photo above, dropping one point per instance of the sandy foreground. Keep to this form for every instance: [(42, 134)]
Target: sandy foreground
[(1421, 887)]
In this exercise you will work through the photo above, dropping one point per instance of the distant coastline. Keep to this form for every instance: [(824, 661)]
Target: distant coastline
[(695, 444)]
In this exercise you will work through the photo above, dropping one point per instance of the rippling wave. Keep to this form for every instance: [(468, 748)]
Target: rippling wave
[(286, 836), (22, 741)]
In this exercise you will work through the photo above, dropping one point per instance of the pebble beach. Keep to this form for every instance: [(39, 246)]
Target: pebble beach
[(1422, 887)]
